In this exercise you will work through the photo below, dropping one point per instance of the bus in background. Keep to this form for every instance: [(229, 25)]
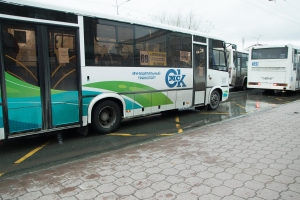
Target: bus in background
[(237, 68), (274, 68), (62, 67)]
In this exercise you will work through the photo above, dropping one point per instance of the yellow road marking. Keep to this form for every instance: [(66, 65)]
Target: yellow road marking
[(239, 105), (282, 99), (165, 134), (178, 125), (126, 134), (120, 134), (140, 135), (31, 153)]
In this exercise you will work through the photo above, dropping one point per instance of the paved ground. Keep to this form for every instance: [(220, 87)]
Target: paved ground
[(252, 157)]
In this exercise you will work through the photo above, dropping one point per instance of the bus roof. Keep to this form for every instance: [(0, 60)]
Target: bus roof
[(275, 45), (85, 8)]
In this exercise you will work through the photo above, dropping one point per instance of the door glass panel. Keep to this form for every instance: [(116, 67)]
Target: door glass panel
[(64, 79), (199, 67), (21, 77), (238, 68)]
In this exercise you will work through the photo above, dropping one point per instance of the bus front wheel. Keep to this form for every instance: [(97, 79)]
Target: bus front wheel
[(214, 100), (106, 117)]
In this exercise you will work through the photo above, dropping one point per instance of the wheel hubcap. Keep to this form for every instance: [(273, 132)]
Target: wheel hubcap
[(107, 116), (214, 99), (104, 116)]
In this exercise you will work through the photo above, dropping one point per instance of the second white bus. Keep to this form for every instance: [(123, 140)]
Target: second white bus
[(274, 67), (237, 68)]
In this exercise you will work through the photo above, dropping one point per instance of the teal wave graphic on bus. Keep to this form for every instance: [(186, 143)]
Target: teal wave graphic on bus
[(25, 113), (66, 102), (136, 100), (1, 118), (225, 93), (31, 108), (24, 105)]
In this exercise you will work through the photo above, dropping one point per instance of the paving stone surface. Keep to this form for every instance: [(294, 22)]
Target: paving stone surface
[(256, 156)]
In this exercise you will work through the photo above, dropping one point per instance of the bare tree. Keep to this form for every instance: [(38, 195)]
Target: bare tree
[(190, 21), (162, 18), (177, 20)]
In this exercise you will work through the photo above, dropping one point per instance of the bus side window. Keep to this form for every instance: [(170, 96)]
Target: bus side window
[(244, 60), (179, 50), (150, 42)]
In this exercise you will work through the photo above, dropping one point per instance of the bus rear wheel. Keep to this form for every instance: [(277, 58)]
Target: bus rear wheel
[(106, 117), (214, 100)]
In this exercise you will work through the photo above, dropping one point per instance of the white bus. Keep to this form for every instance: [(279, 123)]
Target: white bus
[(62, 67), (274, 67), (237, 68)]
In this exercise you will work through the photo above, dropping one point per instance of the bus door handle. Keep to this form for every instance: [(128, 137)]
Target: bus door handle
[(209, 77)]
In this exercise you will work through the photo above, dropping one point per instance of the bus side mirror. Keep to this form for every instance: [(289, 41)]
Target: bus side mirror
[(234, 46)]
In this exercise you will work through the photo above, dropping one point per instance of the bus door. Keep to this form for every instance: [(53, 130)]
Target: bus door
[(64, 76), (238, 69), (40, 90), (244, 69), (232, 69), (199, 67)]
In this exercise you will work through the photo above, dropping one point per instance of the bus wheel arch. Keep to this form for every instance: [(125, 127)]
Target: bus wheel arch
[(215, 99), (106, 115)]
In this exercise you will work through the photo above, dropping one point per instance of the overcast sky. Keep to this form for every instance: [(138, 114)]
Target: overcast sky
[(262, 21)]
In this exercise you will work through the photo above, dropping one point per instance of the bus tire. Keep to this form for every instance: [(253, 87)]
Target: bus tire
[(214, 100), (106, 117)]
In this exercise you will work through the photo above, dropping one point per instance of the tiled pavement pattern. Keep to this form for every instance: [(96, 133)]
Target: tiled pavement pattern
[(252, 157)]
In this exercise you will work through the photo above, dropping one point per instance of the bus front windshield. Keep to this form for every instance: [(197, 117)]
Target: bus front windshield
[(218, 60), (270, 53)]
